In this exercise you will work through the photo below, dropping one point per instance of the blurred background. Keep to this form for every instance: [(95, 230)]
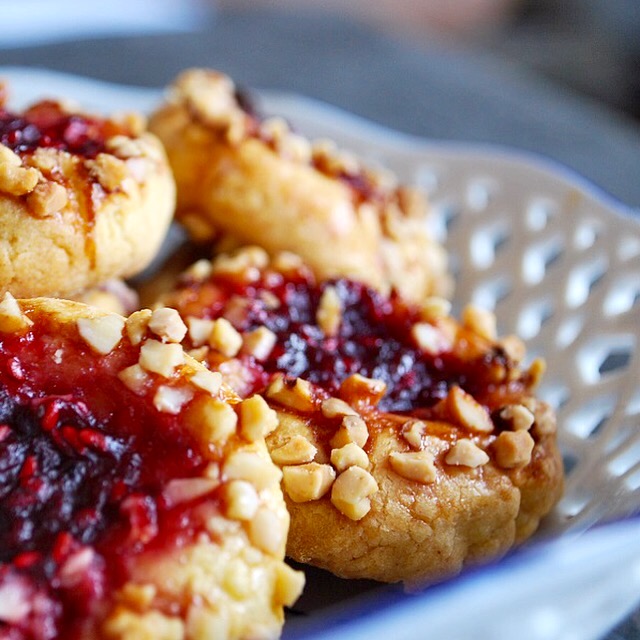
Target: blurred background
[(589, 46)]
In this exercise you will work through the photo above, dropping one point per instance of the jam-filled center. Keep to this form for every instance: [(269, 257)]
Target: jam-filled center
[(47, 124), (373, 338)]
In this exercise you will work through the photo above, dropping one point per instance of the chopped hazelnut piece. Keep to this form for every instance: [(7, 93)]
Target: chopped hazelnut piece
[(353, 429), (357, 387), (138, 596), (480, 321), (199, 270), (518, 415), (15, 179), (134, 378), (334, 407), (536, 371), (199, 330), (171, 399), (295, 396), (167, 324), (47, 198), (513, 449), (514, 347), (267, 532), (259, 343), (103, 333), (351, 492), (136, 325), (286, 262), (545, 418), (212, 421), (180, 490), (296, 451), (257, 418), (161, 358), (225, 338), (289, 585), (306, 482), (465, 453), (11, 317), (245, 264), (434, 308), (413, 431), (467, 412), (252, 467), (241, 499), (414, 465), (329, 314), (429, 338), (350, 455), (207, 380)]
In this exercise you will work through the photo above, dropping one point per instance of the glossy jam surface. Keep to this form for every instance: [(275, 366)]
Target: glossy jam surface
[(82, 466), (46, 124), (373, 339)]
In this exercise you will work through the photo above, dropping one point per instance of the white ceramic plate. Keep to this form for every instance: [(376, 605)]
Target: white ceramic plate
[(559, 262)]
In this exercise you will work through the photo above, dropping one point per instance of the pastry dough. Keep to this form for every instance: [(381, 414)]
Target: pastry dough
[(256, 182), (82, 199)]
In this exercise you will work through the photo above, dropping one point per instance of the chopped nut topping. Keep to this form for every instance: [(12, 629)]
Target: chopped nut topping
[(466, 453), (167, 324), (518, 415), (467, 412), (286, 262), (413, 431), (480, 321), (289, 585), (536, 371), (134, 378), (15, 179), (245, 264), (296, 451), (136, 325), (103, 333), (257, 418), (108, 170), (171, 399), (241, 499), (252, 467), (429, 338), (47, 198), (138, 596), (545, 418), (224, 338), (514, 347), (267, 532), (334, 407), (357, 387), (11, 317), (180, 490), (329, 314), (123, 623), (199, 270), (351, 455), (297, 396), (207, 380), (199, 330), (306, 482), (434, 308), (161, 358), (414, 465), (353, 429), (259, 343), (212, 420), (513, 449), (351, 491)]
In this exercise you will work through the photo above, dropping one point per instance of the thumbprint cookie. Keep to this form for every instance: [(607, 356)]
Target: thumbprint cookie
[(137, 496), (253, 181), (411, 443), (83, 199)]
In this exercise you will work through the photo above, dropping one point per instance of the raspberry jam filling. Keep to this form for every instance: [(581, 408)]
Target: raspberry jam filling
[(46, 124), (373, 339), (83, 463)]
